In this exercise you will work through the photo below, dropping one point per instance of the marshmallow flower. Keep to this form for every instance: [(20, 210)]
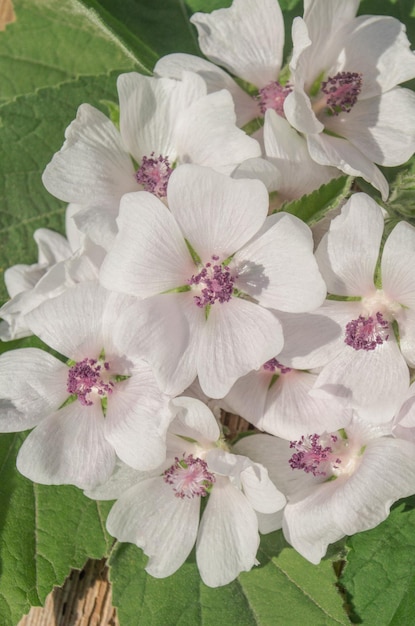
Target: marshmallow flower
[(163, 122), (159, 511), (366, 364), (336, 484), (224, 262), (344, 96), (103, 401)]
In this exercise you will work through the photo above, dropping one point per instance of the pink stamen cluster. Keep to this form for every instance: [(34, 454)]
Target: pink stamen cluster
[(85, 377), (154, 174), (366, 333), (312, 454), (342, 90), (189, 477), (273, 365), (272, 96), (217, 282)]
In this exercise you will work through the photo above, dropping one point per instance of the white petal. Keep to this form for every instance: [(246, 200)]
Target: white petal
[(398, 258), (149, 255), (239, 336), (248, 395), (206, 134), (382, 128), (164, 526), (92, 167), (348, 253), (246, 39), (406, 323), (228, 535), (32, 385), (174, 65), (263, 170), (216, 213), (68, 447), (299, 113), (149, 108), (198, 420), (100, 226), (278, 268), (338, 152), (261, 493)]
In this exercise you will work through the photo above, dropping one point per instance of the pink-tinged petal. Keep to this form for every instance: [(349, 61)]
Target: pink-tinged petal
[(164, 526), (297, 174), (137, 419), (71, 323), (92, 167), (373, 382), (406, 323), (149, 108), (291, 411), (217, 214), (374, 126), (398, 259), (239, 336), (338, 152), (278, 268), (206, 134), (68, 447), (174, 65), (348, 253), (378, 48), (195, 420), (228, 538), (32, 385), (149, 254), (245, 39)]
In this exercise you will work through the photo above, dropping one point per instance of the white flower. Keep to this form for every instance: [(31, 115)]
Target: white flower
[(103, 401), (336, 484), (344, 99), (159, 512), (364, 363), (243, 263), (163, 122)]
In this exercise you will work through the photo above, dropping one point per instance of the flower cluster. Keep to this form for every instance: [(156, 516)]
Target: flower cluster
[(179, 293)]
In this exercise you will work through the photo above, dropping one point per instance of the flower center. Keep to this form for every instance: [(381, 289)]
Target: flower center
[(272, 96), (317, 455), (275, 366), (154, 174), (215, 282), (89, 377), (189, 477), (366, 333), (342, 91)]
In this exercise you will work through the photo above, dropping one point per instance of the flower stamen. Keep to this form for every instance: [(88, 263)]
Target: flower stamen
[(366, 333), (342, 91), (313, 456), (216, 282), (189, 477), (272, 96), (86, 377), (154, 174)]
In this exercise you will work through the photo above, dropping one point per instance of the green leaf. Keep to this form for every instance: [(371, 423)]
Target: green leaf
[(282, 589), (44, 532), (379, 576), (314, 206), (37, 50)]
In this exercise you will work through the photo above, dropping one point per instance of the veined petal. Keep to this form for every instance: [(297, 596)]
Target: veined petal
[(278, 268), (173, 66), (164, 526), (149, 108), (92, 167), (228, 538), (348, 253), (398, 259), (338, 152), (246, 39), (206, 134), (374, 126), (238, 337), (149, 254), (68, 447), (217, 214), (32, 385), (195, 420)]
